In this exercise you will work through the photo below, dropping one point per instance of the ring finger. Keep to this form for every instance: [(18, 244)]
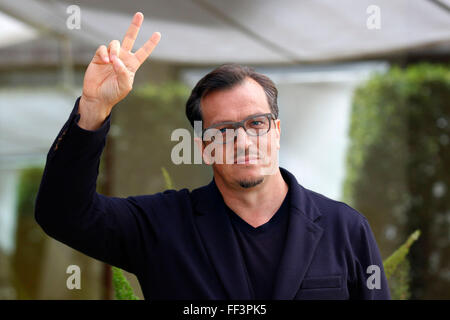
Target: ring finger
[(114, 49)]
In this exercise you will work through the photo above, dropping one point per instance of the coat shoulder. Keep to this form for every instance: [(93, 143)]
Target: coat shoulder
[(168, 197), (343, 224), (168, 202), (336, 211)]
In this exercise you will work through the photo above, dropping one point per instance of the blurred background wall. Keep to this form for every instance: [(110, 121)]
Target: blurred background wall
[(317, 52)]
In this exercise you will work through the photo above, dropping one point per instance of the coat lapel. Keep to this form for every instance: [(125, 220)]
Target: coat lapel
[(302, 238), (218, 237)]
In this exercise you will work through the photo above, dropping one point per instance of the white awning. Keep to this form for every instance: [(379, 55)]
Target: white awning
[(251, 31)]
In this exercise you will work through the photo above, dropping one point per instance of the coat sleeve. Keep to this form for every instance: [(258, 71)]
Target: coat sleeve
[(69, 209), (369, 280)]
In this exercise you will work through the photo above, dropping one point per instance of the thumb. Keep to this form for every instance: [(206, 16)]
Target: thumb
[(123, 76)]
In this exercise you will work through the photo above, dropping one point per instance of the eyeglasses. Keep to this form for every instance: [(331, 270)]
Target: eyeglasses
[(255, 125)]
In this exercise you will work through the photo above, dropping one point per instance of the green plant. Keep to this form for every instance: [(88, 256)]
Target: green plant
[(167, 179), (122, 288), (397, 269)]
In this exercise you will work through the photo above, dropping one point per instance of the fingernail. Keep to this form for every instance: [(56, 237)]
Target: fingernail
[(106, 59)]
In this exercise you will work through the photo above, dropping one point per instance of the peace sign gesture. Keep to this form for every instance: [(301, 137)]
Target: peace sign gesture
[(110, 75)]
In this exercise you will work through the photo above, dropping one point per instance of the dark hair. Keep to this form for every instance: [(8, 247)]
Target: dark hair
[(225, 77)]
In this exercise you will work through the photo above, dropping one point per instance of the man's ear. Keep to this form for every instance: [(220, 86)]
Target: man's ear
[(278, 129)]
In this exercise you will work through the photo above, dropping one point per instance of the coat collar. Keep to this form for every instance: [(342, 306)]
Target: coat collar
[(302, 237)]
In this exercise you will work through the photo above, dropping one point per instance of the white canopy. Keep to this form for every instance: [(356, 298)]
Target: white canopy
[(251, 31)]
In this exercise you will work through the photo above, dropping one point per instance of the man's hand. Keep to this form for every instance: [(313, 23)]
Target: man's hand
[(110, 75)]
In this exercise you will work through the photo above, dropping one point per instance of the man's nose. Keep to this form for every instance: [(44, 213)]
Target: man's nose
[(242, 141)]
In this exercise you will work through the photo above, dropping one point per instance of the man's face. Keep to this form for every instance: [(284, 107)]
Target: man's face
[(236, 104)]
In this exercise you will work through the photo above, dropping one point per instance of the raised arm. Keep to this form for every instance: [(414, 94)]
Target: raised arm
[(67, 206)]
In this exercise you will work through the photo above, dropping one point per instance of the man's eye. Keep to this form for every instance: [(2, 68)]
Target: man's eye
[(256, 123), (223, 130)]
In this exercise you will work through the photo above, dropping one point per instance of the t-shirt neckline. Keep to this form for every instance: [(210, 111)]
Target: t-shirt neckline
[(276, 218)]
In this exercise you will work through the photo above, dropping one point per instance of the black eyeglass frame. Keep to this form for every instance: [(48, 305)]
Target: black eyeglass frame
[(238, 124)]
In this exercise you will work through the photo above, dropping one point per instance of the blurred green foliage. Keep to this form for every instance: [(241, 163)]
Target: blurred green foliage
[(397, 267), (167, 179), (29, 237), (163, 94), (398, 168), (122, 288)]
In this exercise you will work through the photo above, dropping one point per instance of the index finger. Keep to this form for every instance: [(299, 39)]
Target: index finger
[(132, 32)]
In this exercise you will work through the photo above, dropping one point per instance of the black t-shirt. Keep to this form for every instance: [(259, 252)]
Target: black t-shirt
[(262, 248)]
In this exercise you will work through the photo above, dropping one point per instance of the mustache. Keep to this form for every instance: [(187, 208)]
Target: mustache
[(242, 153)]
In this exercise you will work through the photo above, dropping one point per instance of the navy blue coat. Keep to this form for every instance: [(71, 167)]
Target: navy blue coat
[(181, 245)]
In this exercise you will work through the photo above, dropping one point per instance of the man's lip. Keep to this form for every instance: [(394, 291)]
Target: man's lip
[(246, 159)]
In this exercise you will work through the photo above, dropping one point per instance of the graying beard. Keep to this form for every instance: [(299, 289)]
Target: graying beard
[(250, 184)]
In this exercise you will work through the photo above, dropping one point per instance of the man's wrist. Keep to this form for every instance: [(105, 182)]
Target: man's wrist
[(92, 114)]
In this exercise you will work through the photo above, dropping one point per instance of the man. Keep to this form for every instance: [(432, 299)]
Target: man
[(252, 233)]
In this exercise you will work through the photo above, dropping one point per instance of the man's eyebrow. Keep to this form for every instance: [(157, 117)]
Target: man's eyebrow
[(249, 116), (223, 121)]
